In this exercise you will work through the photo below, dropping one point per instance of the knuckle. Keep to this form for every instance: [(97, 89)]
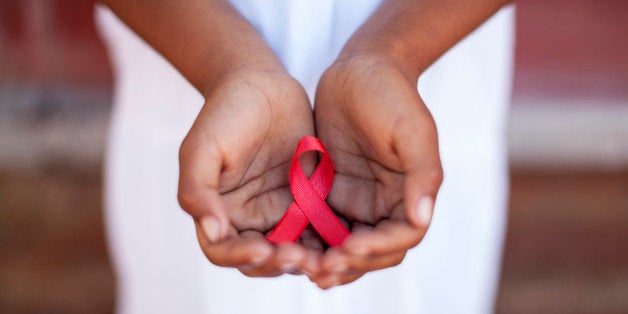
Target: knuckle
[(397, 261), (415, 241), (184, 149), (259, 273), (210, 257), (189, 198), (249, 273), (216, 259), (434, 177), (217, 262)]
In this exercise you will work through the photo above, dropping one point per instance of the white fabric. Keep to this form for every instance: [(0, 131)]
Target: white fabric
[(159, 265)]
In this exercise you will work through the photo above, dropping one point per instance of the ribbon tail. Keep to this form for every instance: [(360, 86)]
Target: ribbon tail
[(290, 226)]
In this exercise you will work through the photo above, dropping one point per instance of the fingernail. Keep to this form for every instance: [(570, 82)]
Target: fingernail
[(259, 259), (289, 267), (424, 209), (211, 227)]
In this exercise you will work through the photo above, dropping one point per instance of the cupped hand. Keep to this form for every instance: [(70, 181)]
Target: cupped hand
[(383, 141), (234, 172)]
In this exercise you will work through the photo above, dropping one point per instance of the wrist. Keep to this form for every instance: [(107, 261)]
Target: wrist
[(362, 61), (382, 48), (239, 65), (264, 85)]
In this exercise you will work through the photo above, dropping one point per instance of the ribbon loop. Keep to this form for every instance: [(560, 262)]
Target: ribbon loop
[(309, 199)]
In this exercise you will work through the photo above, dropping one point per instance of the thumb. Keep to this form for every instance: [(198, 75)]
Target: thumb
[(208, 209), (420, 190), (199, 173), (417, 147)]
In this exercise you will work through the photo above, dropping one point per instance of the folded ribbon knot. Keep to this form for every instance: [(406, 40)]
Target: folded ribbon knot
[(309, 199)]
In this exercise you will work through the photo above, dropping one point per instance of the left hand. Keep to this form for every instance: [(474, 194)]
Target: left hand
[(383, 141)]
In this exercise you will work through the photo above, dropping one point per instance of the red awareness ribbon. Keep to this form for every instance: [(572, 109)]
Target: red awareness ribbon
[(309, 200)]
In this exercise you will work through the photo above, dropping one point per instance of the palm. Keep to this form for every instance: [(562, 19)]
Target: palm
[(234, 171), (253, 125), (365, 190)]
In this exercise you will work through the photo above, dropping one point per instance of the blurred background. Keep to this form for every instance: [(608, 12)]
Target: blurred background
[(567, 243)]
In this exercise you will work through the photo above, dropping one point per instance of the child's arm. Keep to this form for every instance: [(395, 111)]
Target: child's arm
[(234, 161), (204, 40), (414, 33), (380, 133)]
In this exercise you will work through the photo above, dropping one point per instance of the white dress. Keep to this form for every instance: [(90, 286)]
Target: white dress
[(159, 266)]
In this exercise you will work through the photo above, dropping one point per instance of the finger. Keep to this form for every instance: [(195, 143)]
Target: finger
[(235, 251), (349, 278), (373, 263), (287, 261), (331, 280), (287, 258), (348, 263), (389, 236), (199, 171), (312, 262)]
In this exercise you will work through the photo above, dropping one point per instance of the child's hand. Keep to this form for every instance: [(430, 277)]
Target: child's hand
[(234, 171), (384, 145)]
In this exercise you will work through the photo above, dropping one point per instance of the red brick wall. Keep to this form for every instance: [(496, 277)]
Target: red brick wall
[(565, 47), (51, 42), (572, 47)]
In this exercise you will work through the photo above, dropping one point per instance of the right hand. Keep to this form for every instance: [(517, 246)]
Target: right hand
[(234, 165)]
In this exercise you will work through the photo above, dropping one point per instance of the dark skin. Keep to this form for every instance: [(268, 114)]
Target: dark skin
[(234, 161)]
